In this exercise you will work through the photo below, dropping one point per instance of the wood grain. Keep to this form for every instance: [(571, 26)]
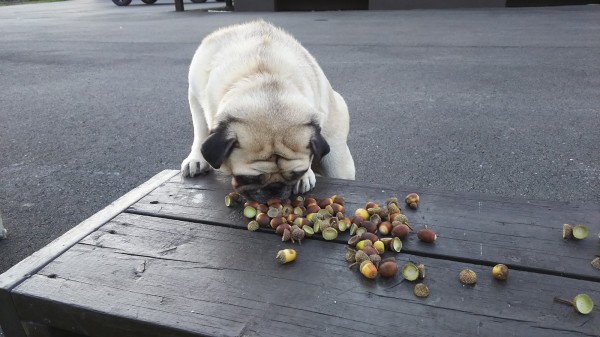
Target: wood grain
[(140, 275), (476, 228)]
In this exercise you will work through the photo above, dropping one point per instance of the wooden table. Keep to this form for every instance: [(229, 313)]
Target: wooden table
[(169, 259)]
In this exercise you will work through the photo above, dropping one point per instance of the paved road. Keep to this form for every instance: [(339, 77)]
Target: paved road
[(93, 101)]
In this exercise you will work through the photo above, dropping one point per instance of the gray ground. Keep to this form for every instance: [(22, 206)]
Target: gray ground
[(93, 101)]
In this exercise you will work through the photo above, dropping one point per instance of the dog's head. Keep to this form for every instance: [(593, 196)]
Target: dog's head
[(265, 159)]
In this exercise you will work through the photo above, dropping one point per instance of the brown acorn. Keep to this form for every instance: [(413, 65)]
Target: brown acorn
[(426, 235), (376, 259), (369, 226), (313, 208), (338, 199), (232, 199), (401, 231), (263, 219), (325, 202), (468, 277), (337, 208), (370, 250), (262, 208), (370, 236), (388, 268), (279, 230), (371, 204), (310, 201), (277, 221), (385, 228)]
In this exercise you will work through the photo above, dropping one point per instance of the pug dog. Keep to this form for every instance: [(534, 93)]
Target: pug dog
[(264, 113)]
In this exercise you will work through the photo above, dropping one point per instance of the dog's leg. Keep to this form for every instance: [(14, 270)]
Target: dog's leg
[(338, 163), (306, 183), (195, 164)]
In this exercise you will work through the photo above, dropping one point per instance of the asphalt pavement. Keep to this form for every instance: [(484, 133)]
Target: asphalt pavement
[(93, 101)]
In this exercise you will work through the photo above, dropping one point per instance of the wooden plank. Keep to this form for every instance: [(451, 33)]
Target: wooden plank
[(39, 259), (156, 273), (471, 227)]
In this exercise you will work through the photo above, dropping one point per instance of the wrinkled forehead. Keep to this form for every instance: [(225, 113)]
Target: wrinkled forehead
[(288, 142)]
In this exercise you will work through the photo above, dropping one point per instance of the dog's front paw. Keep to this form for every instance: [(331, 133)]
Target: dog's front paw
[(193, 166), (306, 183)]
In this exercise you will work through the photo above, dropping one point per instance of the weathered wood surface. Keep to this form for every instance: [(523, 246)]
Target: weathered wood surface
[(39, 259), (477, 228), (147, 276)]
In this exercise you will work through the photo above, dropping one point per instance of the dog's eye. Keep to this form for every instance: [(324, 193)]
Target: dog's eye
[(249, 180)]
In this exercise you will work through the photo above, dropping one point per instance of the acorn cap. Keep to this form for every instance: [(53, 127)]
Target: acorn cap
[(580, 232), (396, 245), (596, 262), (421, 268), (329, 233), (253, 226), (467, 276), (410, 272), (421, 290), (583, 304)]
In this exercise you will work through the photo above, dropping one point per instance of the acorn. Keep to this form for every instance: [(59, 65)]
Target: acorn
[(252, 203), (411, 198), (338, 199), (385, 228), (410, 272), (426, 235), (263, 219), (359, 257), (370, 250), (232, 199), (262, 208), (361, 212), (329, 233), (313, 208), (298, 201), (567, 231), (337, 208), (309, 201), (253, 226), (286, 255), (277, 221), (297, 234), (500, 272), (582, 303), (249, 212), (388, 268), (401, 231), (325, 202), (379, 246), (467, 276), (396, 245), (596, 262), (580, 232), (376, 259), (371, 204), (369, 226), (370, 236), (421, 290), (301, 222), (279, 230), (421, 268), (368, 269), (362, 243), (292, 217)]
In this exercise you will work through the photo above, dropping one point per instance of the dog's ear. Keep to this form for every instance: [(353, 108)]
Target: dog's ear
[(217, 146), (319, 146)]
